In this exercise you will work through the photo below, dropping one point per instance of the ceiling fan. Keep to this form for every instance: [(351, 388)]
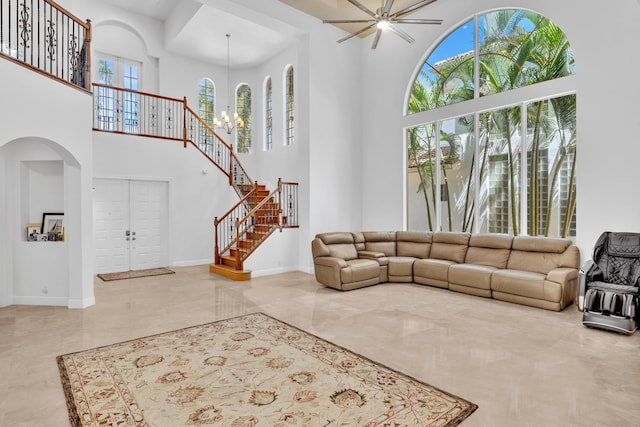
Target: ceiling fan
[(383, 19)]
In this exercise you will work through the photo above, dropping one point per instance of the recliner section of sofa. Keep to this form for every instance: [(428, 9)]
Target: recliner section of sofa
[(536, 271)]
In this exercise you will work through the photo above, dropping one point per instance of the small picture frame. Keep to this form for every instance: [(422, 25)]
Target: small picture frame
[(33, 230), (53, 225)]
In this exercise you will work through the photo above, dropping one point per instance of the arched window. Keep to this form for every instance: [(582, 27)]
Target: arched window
[(243, 107), (508, 164), (206, 106), (289, 97), (268, 114)]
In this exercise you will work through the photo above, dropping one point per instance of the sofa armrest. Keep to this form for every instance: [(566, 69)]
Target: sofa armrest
[(567, 277), (562, 274), (378, 256), (328, 270), (329, 261)]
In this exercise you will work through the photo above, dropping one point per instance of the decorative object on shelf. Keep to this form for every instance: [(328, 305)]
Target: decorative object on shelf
[(225, 123), (53, 226), (33, 230)]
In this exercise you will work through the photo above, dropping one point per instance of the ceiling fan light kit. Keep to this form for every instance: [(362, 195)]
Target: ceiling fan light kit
[(383, 20)]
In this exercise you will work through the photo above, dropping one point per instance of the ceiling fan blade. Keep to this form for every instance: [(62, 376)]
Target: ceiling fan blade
[(417, 21), (387, 8), (376, 39), (347, 21), (357, 33), (401, 33), (363, 8), (413, 8)]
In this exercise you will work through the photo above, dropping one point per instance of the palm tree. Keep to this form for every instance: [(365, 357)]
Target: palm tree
[(518, 48)]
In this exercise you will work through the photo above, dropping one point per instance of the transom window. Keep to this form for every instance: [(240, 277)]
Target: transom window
[(243, 107), (289, 107), (268, 114), (510, 169), (206, 101)]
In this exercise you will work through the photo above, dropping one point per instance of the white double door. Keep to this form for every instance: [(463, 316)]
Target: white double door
[(130, 220)]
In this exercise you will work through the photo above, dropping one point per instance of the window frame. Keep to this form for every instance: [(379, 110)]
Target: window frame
[(517, 97)]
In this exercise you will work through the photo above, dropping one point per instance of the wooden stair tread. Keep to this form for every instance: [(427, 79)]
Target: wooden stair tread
[(230, 272)]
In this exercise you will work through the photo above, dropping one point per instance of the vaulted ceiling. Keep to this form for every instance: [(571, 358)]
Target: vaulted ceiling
[(197, 28)]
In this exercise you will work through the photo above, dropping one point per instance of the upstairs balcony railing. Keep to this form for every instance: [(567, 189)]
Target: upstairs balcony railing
[(43, 36), (133, 112)]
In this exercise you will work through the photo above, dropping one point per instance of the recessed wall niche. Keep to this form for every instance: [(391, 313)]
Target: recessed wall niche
[(41, 190)]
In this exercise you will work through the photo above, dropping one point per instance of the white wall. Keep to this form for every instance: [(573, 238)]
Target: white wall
[(607, 170), (198, 190), (43, 120)]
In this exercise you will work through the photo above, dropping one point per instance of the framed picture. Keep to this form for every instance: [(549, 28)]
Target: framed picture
[(52, 223), (33, 230)]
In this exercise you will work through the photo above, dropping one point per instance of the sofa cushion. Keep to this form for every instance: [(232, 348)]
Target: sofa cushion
[(380, 241), (489, 249), (528, 254), (540, 244), (343, 250), (475, 276), (525, 283), (414, 244), (432, 268), (335, 237), (358, 270), (450, 246), (401, 269)]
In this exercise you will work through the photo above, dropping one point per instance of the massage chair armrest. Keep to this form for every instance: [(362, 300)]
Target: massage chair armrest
[(585, 271), (378, 256)]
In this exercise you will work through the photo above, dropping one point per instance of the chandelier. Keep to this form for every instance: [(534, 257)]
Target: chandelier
[(226, 122)]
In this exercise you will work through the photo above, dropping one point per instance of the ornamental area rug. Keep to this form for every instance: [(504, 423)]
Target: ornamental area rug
[(246, 371)]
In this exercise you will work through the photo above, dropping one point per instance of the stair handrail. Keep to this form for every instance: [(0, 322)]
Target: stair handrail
[(47, 38), (227, 242), (134, 112), (216, 151), (252, 219)]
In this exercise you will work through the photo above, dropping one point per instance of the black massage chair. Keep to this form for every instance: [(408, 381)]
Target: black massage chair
[(609, 284)]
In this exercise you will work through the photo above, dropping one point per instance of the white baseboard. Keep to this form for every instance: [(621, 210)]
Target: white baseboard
[(191, 263), (271, 271), (53, 301), (81, 303)]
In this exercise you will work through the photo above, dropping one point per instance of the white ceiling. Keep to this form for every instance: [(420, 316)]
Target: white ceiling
[(197, 28)]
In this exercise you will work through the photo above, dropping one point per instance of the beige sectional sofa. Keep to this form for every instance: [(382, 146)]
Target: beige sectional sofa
[(535, 271)]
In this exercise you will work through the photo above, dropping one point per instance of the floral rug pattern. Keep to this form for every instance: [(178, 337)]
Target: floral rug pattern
[(246, 371)]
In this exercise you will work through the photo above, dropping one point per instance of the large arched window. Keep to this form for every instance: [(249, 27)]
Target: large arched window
[(268, 114), (503, 166), (289, 96), (243, 107), (206, 106)]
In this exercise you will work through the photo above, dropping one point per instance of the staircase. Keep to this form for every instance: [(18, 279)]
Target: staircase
[(248, 224), (258, 213), (37, 43)]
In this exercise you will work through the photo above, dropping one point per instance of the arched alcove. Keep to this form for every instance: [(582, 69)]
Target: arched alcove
[(41, 177)]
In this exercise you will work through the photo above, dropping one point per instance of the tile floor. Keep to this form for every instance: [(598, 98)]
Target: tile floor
[(523, 366)]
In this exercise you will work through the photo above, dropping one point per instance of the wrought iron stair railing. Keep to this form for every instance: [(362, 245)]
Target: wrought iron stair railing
[(241, 230), (43, 36), (258, 213)]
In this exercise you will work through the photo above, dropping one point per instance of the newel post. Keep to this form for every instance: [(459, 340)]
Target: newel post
[(216, 251), (87, 39), (184, 122)]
